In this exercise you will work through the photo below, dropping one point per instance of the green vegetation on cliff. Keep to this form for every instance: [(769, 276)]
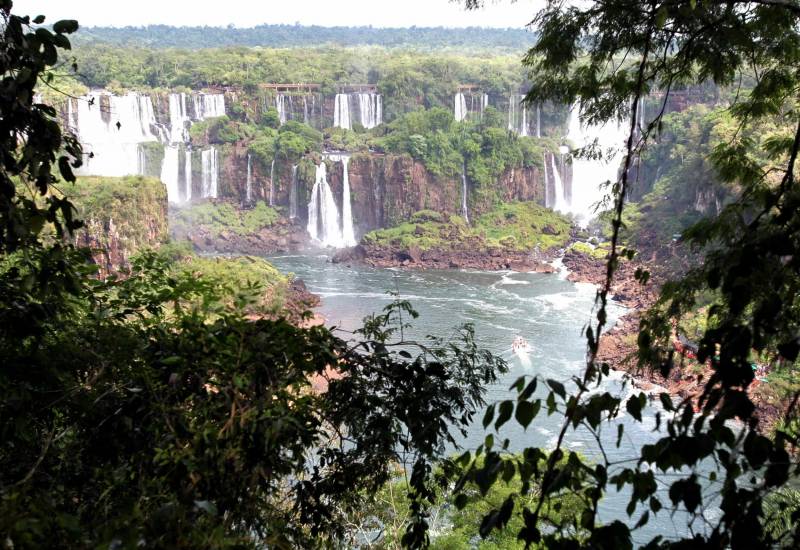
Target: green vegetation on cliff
[(217, 218), (518, 227), (136, 205)]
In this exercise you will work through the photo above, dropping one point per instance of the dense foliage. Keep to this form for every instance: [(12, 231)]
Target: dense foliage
[(518, 226), (606, 56), (163, 36), (163, 409)]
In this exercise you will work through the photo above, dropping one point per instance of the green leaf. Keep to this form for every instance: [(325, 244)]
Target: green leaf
[(527, 411), (488, 416), (506, 408), (557, 387), (65, 26)]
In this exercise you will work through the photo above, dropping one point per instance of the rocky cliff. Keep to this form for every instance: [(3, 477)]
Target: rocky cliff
[(121, 216)]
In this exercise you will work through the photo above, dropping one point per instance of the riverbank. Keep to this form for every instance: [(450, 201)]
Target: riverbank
[(619, 348)]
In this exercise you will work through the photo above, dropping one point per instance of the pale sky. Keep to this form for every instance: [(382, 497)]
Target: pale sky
[(248, 13)]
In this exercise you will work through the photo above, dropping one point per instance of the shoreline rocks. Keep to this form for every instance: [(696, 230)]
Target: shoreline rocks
[(496, 259)]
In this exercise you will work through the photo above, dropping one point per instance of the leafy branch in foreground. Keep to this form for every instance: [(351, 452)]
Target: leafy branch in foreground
[(606, 57), (157, 411)]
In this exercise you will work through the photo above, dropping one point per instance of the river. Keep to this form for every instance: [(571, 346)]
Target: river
[(545, 309)]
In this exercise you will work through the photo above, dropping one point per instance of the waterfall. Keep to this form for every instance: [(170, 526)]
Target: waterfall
[(208, 106), (281, 106), (187, 170), (249, 188), (169, 173), (512, 113), (370, 109), (293, 194), (464, 191), (305, 110), (538, 120), (178, 119), (341, 111), (460, 108), (560, 203), (523, 130), (348, 234), (209, 163), (588, 175), (484, 103), (112, 127), (323, 216), (272, 183), (547, 200)]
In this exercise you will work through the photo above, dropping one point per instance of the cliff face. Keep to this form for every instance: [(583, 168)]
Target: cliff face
[(122, 216), (387, 189)]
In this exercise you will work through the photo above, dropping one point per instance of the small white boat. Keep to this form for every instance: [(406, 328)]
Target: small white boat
[(520, 346)]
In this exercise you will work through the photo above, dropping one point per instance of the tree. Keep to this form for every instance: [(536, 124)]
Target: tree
[(153, 411), (607, 56)]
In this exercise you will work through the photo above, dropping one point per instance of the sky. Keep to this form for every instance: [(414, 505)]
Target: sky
[(248, 13)]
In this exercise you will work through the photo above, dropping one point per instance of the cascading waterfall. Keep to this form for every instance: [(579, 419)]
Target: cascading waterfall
[(114, 135), (538, 120), (280, 105), (588, 176), (559, 203), (512, 113), (188, 174), (341, 111), (484, 103), (348, 233), (115, 127), (523, 129), (209, 164), (323, 216), (293, 194), (249, 185), (305, 110), (548, 201), (178, 119), (169, 172), (272, 183), (464, 191), (370, 109), (208, 106), (460, 107)]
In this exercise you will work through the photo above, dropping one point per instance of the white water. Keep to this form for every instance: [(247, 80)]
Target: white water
[(348, 234), (460, 107), (249, 188), (208, 106), (464, 191), (115, 136), (560, 203), (280, 105), (179, 120), (323, 215), (293, 194), (188, 173), (341, 111), (272, 183), (130, 120), (548, 202), (347, 228), (169, 172), (523, 129), (588, 176), (210, 172), (538, 120), (370, 108)]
